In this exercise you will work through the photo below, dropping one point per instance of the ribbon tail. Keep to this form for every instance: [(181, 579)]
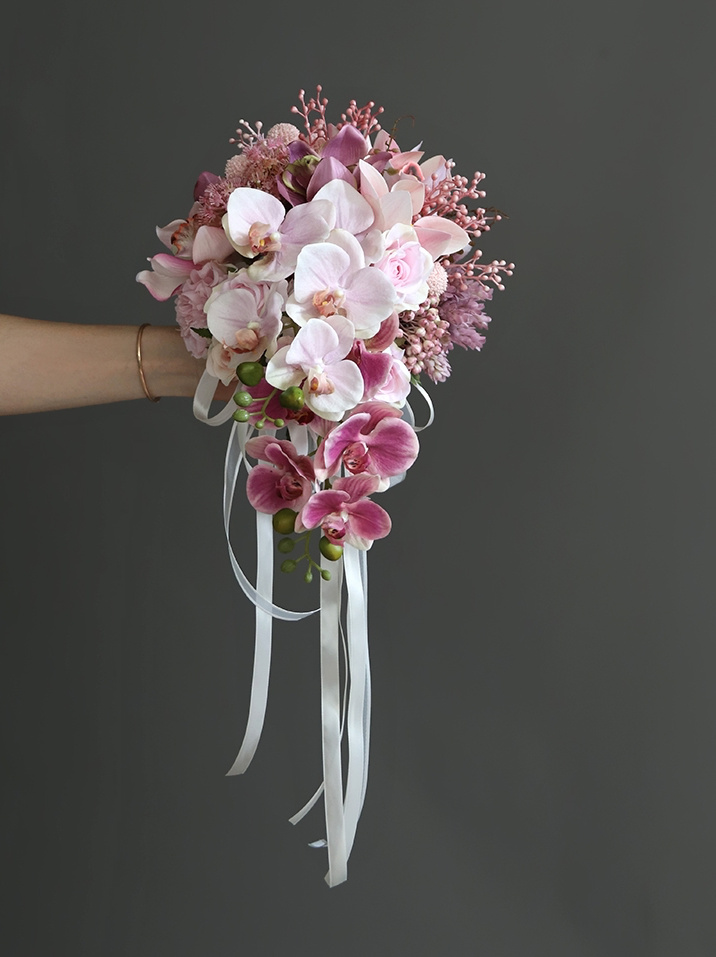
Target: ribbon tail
[(358, 718), (331, 736), (262, 649)]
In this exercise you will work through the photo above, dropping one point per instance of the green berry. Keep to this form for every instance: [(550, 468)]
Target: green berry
[(286, 545), (325, 574), (284, 521), (329, 550), (241, 415), (288, 565), (243, 398), (250, 373), (279, 423), (308, 577), (292, 398), (260, 424)]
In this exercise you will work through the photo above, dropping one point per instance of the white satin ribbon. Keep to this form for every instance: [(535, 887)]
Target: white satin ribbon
[(331, 731)]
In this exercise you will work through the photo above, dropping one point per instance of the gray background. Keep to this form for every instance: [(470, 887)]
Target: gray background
[(542, 778)]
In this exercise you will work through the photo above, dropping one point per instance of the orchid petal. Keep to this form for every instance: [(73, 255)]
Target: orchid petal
[(166, 276), (321, 504), (312, 344), (396, 207), (399, 160), (281, 374), (386, 334), (165, 233), (371, 300), (440, 236), (325, 172), (310, 223), (357, 486), (347, 383), (320, 266), (367, 522), (372, 184), (348, 146), (415, 189), (375, 368), (349, 244), (211, 242), (245, 207), (353, 212), (393, 447)]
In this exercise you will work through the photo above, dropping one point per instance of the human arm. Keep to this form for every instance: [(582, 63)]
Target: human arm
[(47, 365)]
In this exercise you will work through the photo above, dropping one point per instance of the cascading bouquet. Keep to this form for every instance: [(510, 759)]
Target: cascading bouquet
[(320, 276)]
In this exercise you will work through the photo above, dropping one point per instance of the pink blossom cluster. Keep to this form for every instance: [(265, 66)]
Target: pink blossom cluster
[(322, 273)]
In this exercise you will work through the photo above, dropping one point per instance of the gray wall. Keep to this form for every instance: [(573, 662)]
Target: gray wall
[(542, 779)]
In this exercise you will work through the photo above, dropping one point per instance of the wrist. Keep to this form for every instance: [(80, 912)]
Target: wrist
[(169, 368)]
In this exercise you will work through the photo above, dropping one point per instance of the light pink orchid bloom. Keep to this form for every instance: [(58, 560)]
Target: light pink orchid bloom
[(345, 513), (259, 227), (316, 359), (394, 204), (198, 243), (332, 279), (166, 276), (168, 272), (285, 482), (374, 439), (245, 316), (440, 236)]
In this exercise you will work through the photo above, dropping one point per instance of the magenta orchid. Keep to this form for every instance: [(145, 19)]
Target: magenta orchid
[(374, 438), (346, 514), (285, 482)]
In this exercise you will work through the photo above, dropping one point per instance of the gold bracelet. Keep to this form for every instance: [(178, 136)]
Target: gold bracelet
[(152, 398)]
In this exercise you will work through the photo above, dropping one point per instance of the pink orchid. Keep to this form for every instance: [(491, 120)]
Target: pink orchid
[(373, 439), (317, 356), (396, 387), (285, 482), (440, 236), (166, 276), (374, 367), (195, 248), (345, 513), (332, 279), (245, 316), (387, 333), (259, 226), (391, 205), (189, 240), (353, 212)]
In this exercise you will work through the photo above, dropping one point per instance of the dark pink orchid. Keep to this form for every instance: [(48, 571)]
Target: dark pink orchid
[(375, 368), (285, 483), (345, 513), (374, 439)]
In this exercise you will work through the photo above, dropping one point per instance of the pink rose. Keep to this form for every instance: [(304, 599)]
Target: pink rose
[(407, 265)]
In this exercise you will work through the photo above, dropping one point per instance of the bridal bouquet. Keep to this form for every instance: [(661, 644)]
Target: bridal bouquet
[(320, 276)]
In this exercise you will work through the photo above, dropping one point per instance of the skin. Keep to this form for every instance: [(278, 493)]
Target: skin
[(59, 365)]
